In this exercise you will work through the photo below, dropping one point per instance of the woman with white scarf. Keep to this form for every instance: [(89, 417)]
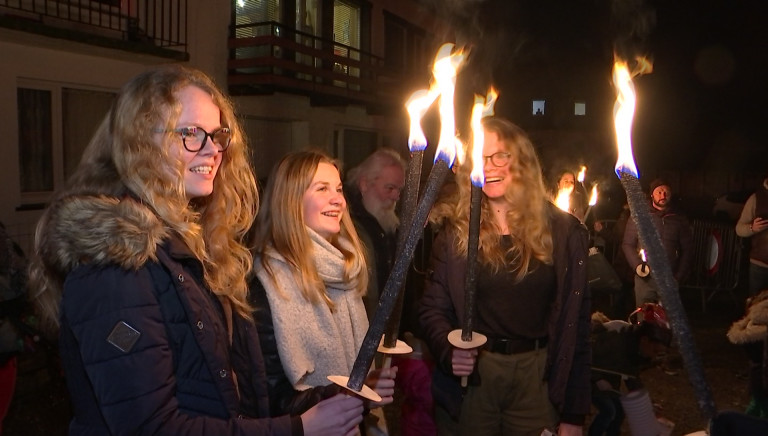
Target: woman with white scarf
[(310, 276)]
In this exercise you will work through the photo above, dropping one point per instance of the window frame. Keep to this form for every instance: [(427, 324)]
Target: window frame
[(33, 199), (57, 143)]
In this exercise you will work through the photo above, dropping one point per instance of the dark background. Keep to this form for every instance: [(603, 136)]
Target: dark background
[(700, 115)]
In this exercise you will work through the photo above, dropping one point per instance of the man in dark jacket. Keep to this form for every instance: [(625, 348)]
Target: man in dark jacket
[(374, 188), (373, 191), (676, 237)]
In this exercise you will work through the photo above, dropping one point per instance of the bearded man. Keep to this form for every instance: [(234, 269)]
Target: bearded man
[(676, 238), (375, 187)]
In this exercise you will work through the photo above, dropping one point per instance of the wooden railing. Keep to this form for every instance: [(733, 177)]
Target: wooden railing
[(161, 23), (270, 56)]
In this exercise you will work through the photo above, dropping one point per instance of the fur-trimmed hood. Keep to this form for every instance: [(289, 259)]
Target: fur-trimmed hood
[(754, 326), (99, 229)]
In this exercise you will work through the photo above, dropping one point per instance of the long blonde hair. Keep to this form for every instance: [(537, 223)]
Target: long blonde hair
[(527, 216), (280, 227), (124, 159)]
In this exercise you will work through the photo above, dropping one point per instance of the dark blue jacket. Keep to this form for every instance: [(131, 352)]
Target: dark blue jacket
[(145, 348)]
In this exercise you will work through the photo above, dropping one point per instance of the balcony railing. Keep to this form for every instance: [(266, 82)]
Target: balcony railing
[(157, 23), (268, 56)]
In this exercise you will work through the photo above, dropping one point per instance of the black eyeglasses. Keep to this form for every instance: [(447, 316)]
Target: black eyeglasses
[(498, 159), (194, 138)]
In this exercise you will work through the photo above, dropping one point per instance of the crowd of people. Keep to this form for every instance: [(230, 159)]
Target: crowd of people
[(185, 301)]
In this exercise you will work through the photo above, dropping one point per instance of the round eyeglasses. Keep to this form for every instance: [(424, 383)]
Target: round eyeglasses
[(498, 159), (194, 138)]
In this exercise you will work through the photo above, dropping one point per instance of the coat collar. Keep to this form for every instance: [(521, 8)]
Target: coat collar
[(100, 229)]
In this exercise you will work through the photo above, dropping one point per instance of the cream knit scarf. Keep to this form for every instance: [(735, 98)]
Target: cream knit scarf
[(312, 341)]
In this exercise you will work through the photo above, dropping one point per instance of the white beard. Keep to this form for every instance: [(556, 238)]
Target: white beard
[(386, 216), (388, 220)]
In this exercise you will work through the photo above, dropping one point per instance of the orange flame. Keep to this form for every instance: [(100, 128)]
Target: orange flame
[(417, 105), (482, 108), (593, 197), (624, 111), (563, 199), (582, 174), (642, 255), (444, 71)]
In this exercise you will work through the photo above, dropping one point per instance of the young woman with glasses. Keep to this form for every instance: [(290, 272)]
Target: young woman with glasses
[(532, 302), (139, 264)]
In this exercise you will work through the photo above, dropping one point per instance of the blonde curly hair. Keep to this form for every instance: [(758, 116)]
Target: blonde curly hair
[(124, 158), (527, 217)]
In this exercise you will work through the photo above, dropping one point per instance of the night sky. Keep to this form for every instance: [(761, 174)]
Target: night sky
[(703, 107), (710, 65)]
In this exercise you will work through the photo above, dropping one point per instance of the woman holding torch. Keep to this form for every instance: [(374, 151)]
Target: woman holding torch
[(311, 274), (532, 300), (571, 194)]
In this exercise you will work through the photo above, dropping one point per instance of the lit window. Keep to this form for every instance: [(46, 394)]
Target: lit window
[(346, 31), (580, 108), (538, 107)]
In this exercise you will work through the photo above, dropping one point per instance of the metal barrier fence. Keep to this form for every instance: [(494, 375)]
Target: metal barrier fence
[(716, 261)]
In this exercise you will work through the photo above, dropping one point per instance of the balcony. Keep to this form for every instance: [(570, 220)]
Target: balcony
[(152, 27), (269, 57)]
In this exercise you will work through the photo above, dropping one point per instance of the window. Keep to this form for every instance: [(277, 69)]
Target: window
[(346, 24), (579, 108), (404, 44), (346, 30), (56, 123), (35, 140), (538, 107), (77, 128), (307, 15), (252, 18), (255, 11), (395, 40)]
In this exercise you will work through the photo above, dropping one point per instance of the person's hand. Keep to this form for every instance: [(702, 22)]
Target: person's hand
[(759, 224), (603, 385), (569, 430), (337, 416), (463, 361), (382, 381)]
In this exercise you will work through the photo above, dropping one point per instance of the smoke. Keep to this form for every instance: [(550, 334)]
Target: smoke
[(460, 14), (485, 29), (632, 23)]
